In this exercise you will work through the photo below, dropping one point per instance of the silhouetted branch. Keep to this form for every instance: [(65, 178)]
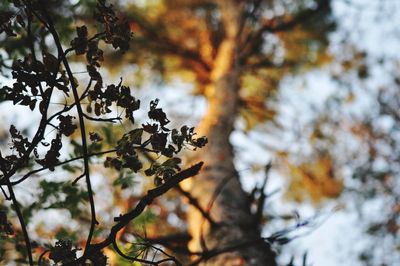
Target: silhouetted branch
[(82, 127), (59, 164), (123, 220), (148, 262), (21, 221), (112, 119)]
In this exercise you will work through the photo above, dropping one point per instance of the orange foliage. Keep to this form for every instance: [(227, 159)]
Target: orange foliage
[(314, 179)]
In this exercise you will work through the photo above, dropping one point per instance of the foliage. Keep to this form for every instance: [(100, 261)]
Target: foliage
[(42, 73)]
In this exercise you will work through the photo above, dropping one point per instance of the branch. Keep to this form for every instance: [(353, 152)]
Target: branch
[(125, 219), (306, 15), (168, 239), (263, 196), (272, 26), (167, 45), (193, 201), (81, 125), (130, 258), (97, 119), (21, 221), (210, 204), (175, 242), (69, 107), (58, 164), (36, 139), (215, 252)]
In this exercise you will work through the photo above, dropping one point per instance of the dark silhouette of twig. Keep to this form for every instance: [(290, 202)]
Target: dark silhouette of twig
[(125, 219), (81, 126)]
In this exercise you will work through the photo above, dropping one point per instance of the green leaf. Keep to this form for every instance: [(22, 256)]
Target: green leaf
[(173, 163), (125, 181), (136, 136)]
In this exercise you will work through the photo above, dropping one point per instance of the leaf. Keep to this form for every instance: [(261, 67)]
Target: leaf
[(113, 162), (80, 43), (63, 88), (125, 181), (63, 252), (50, 62), (93, 73), (95, 137), (51, 158), (157, 114), (158, 141), (132, 162), (66, 126), (200, 142), (173, 163), (136, 136), (82, 31), (32, 104), (153, 128), (5, 226)]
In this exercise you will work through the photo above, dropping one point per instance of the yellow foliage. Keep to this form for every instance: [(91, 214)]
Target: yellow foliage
[(255, 91), (315, 180)]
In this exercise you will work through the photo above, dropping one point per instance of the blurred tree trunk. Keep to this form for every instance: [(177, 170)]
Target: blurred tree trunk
[(217, 188), (226, 49)]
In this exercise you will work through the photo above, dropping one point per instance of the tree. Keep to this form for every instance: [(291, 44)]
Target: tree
[(224, 45), (36, 83), (235, 53)]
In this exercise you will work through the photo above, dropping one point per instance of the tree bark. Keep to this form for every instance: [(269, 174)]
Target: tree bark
[(217, 188)]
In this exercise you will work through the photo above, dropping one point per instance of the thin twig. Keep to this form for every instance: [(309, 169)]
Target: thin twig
[(81, 126), (263, 196), (59, 164), (216, 193), (149, 262), (194, 202), (97, 119)]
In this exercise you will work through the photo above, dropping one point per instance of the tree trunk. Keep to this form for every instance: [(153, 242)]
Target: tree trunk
[(217, 188)]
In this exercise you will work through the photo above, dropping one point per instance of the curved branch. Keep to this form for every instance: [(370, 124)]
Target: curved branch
[(125, 219), (159, 262), (81, 126)]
